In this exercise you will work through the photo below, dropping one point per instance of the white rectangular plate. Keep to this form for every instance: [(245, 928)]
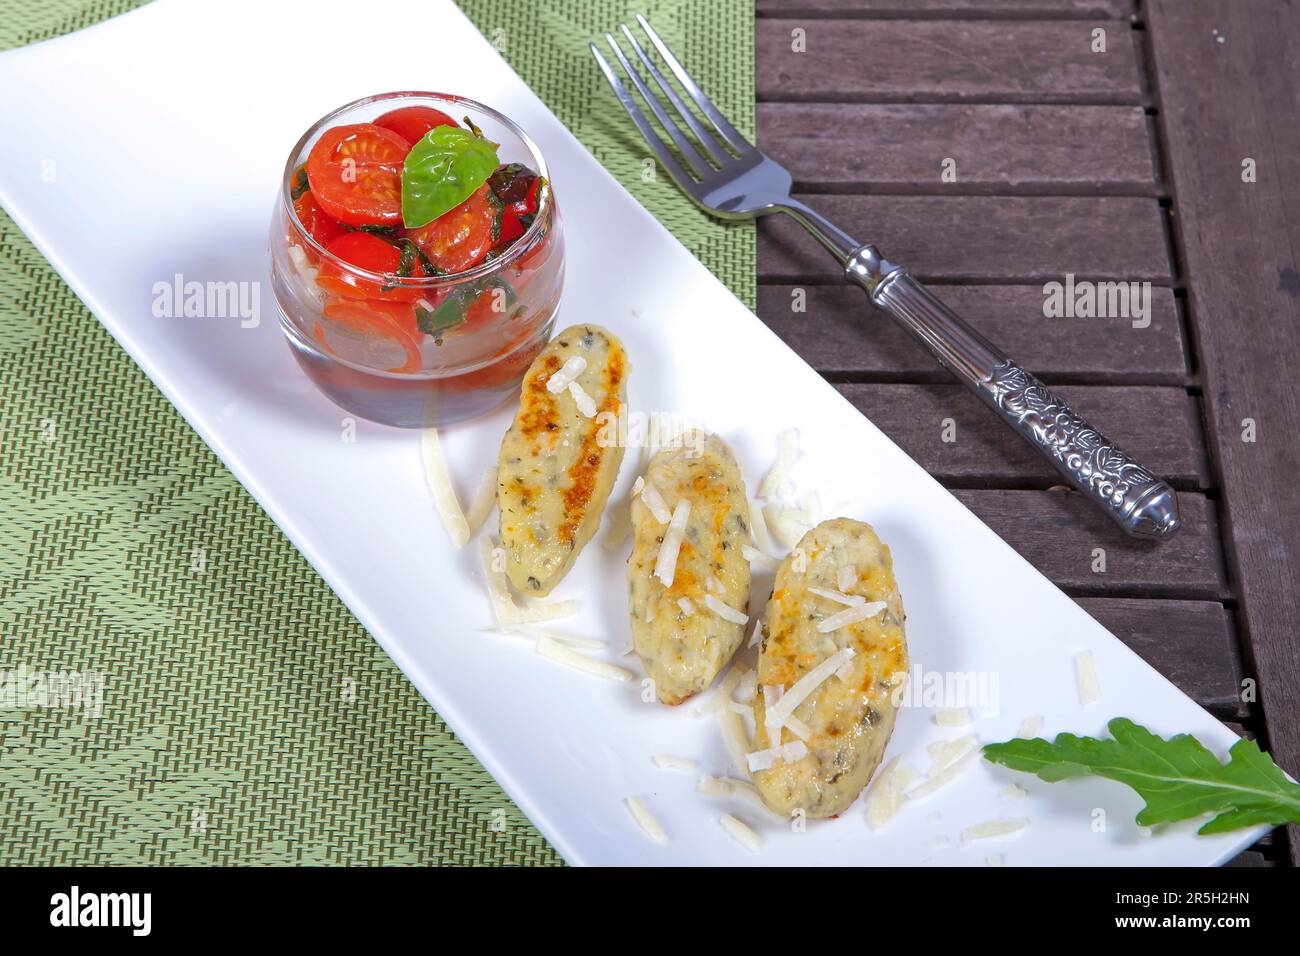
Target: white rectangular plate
[(165, 132)]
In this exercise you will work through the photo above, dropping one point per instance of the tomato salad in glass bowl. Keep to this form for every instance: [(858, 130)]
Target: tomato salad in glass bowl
[(417, 260)]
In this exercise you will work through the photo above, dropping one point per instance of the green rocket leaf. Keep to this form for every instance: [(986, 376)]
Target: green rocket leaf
[(1178, 778)]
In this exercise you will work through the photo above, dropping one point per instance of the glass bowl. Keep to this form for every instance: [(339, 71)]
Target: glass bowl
[(419, 352)]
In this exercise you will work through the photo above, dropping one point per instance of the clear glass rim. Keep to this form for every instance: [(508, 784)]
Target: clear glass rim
[(488, 267)]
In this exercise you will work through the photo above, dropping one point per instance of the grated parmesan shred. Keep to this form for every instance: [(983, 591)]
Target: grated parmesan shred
[(1031, 726), (804, 687), (850, 615), (438, 479), (991, 829), (485, 499), (846, 577), (671, 762), (653, 500), (953, 717), (553, 650), (787, 450), (766, 759), (741, 832), (573, 366), (688, 608), (839, 597), (645, 819), (734, 736), (1085, 677), (586, 404), (666, 562), (785, 524), (725, 611), (888, 792)]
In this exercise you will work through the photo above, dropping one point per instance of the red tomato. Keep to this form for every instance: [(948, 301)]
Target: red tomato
[(316, 220), (460, 238), (355, 173), (368, 252), (412, 122), (372, 318)]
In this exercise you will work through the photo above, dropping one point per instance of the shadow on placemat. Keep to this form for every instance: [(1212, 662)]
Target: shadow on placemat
[(244, 723)]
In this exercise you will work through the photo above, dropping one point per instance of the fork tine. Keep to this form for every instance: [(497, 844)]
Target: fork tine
[(712, 148), (665, 157), (720, 123), (693, 159)]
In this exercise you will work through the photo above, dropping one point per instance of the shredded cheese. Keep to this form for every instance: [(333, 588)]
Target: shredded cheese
[(944, 752), (787, 450), (653, 500), (638, 485), (785, 524), (666, 562), (573, 366), (810, 508), (804, 687), (991, 829), (645, 819), (747, 686), (758, 532), (1085, 677), (888, 792), (438, 479), (725, 611), (850, 615), (670, 762), (1031, 726), (555, 651), (741, 832), (1013, 791), (942, 776), (756, 635), (839, 597), (485, 500), (953, 717), (687, 607), (766, 759), (731, 787), (532, 632), (734, 736), (586, 404)]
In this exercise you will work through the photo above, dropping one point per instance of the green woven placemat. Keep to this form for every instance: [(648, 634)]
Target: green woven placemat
[(247, 717)]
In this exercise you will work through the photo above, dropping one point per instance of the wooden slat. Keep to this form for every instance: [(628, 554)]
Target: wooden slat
[(840, 334), (1058, 532), (1190, 642), (1157, 426), (1222, 103), (1024, 239), (984, 9), (902, 147), (855, 61)]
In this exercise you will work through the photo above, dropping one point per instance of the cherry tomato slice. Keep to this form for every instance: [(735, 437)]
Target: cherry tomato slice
[(460, 238), (412, 122), (356, 174), (368, 252), (318, 223), (371, 318)]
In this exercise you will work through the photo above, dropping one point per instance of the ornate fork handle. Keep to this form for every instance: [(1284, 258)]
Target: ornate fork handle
[(1140, 503)]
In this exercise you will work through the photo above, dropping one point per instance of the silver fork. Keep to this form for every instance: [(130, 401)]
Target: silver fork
[(727, 175)]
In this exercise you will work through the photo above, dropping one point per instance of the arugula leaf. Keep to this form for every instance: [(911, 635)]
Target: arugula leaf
[(442, 170), (1179, 778)]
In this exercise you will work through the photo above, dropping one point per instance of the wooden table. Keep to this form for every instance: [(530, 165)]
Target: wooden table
[(1124, 164)]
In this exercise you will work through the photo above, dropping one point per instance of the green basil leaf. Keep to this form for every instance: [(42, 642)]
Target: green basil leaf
[(442, 170), (446, 316), (300, 184)]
